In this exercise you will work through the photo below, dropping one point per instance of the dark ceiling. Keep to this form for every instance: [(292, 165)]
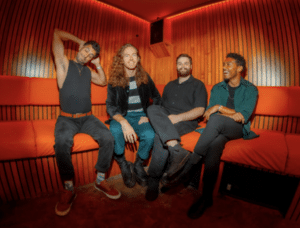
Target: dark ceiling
[(153, 10)]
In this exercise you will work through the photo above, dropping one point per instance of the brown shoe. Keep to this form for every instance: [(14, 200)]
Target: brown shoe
[(108, 190), (64, 204)]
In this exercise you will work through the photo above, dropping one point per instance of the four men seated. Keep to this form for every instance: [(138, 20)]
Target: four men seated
[(158, 125)]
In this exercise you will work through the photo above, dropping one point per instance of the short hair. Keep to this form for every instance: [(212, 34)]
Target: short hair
[(95, 46), (185, 55), (240, 60)]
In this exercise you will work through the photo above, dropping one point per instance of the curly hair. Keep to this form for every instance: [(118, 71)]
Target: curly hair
[(240, 60), (118, 74)]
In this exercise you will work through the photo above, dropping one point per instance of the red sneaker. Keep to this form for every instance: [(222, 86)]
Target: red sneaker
[(108, 190), (64, 204)]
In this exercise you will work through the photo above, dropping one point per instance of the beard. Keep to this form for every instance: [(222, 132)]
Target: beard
[(183, 72)]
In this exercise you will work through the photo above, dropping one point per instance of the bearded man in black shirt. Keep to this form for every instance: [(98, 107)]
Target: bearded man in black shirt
[(183, 102)]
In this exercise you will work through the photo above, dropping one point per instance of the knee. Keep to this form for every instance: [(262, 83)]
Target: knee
[(148, 136), (152, 109), (63, 142)]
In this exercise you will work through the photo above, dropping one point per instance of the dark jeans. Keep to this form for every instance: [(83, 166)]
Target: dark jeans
[(165, 131), (66, 128), (218, 131)]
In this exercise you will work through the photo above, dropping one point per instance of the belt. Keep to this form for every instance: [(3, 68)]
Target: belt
[(76, 115)]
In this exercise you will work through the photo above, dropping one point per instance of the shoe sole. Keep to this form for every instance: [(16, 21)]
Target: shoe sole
[(109, 196), (63, 213)]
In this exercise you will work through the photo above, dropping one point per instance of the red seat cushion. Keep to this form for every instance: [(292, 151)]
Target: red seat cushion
[(44, 130), (17, 140), (268, 151), (293, 160), (189, 141)]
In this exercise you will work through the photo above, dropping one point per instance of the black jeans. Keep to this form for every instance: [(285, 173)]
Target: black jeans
[(66, 128), (165, 131), (218, 131)]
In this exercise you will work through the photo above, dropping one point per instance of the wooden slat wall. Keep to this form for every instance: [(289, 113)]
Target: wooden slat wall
[(265, 32), (26, 28)]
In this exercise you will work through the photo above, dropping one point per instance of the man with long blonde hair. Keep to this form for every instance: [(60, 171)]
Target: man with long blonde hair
[(128, 97)]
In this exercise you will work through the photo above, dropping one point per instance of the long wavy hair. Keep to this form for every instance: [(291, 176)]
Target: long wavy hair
[(117, 73)]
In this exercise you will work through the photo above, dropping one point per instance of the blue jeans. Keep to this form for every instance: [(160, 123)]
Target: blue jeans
[(144, 131)]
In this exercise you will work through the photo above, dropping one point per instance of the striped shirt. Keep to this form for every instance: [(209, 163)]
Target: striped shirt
[(134, 100)]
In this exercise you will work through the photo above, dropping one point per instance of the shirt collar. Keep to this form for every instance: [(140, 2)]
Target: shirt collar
[(242, 82), (191, 79)]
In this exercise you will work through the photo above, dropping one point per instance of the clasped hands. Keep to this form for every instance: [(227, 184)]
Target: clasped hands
[(237, 116)]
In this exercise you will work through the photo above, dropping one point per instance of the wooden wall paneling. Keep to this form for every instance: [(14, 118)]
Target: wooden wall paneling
[(52, 171), (293, 47), (17, 182), (28, 177), (6, 195), (47, 174), (10, 180), (91, 167), (41, 175), (85, 167), (75, 165), (5, 6), (35, 177)]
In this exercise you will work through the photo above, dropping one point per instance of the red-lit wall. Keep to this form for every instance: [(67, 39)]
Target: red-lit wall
[(27, 27), (266, 32)]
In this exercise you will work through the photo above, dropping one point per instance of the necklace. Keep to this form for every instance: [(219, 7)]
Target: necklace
[(232, 90), (79, 69)]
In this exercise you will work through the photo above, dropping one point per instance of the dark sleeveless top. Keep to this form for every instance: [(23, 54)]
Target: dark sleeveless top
[(75, 95)]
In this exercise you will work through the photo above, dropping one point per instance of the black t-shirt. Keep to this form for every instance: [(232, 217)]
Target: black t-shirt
[(178, 98), (230, 100)]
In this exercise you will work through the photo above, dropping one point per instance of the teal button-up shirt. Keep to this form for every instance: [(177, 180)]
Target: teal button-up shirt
[(245, 98)]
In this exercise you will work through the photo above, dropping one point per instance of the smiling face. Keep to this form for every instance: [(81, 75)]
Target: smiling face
[(130, 58), (85, 54), (184, 66), (231, 70)]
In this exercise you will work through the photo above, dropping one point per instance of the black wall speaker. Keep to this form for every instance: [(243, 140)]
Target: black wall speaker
[(156, 35)]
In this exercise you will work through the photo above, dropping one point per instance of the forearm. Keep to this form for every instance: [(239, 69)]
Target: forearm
[(99, 77), (119, 118), (225, 110), (191, 115), (65, 36)]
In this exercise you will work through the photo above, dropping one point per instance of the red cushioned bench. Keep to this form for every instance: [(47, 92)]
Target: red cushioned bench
[(27, 162)]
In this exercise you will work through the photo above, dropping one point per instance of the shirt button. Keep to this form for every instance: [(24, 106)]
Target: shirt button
[(173, 102)]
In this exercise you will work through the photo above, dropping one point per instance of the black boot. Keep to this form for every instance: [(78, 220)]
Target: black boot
[(152, 190), (178, 158), (139, 172), (126, 170), (186, 173), (198, 208)]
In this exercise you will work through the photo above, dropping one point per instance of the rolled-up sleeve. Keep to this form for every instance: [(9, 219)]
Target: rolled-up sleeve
[(249, 102)]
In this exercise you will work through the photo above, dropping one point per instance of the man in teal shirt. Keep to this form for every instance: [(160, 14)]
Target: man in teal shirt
[(231, 104)]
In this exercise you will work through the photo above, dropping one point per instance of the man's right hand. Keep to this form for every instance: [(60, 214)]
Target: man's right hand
[(210, 111), (129, 133)]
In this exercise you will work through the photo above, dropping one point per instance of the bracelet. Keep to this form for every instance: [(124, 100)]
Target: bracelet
[(99, 67), (220, 108)]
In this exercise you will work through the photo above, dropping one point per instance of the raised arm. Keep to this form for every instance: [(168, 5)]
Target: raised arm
[(98, 77), (60, 59)]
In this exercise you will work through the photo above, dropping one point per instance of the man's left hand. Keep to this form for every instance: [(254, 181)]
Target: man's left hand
[(96, 62), (174, 118), (143, 119)]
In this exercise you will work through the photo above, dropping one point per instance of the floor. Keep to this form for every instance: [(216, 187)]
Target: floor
[(93, 209)]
